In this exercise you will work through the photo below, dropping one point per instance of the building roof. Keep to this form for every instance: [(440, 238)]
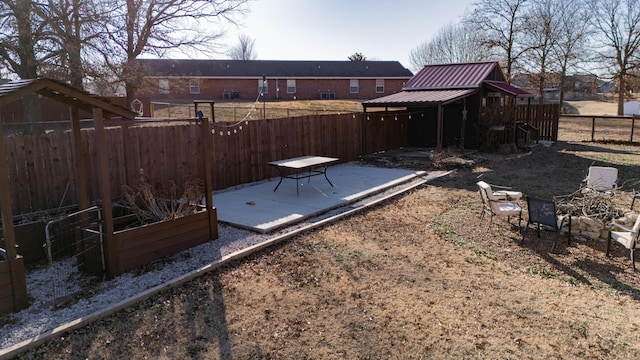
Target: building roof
[(64, 93), (275, 68), (420, 97), (507, 89), (453, 76), (445, 83)]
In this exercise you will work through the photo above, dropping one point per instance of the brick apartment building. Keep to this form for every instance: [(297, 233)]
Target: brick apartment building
[(171, 80)]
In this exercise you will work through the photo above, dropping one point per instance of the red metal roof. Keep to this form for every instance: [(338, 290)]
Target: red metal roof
[(444, 83), (405, 98), (508, 89), (451, 76)]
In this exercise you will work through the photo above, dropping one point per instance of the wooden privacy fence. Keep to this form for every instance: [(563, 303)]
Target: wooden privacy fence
[(42, 169)]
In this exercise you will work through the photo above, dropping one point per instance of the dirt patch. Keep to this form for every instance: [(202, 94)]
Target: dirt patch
[(416, 277)]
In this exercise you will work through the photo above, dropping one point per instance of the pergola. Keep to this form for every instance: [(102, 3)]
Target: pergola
[(78, 100)]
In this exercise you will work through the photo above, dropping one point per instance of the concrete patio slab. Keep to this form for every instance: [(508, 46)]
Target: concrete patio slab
[(257, 207)]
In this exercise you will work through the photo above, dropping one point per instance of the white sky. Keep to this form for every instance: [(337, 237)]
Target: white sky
[(336, 29)]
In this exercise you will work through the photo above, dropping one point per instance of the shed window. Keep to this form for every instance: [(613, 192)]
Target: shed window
[(291, 86), (354, 86), (380, 86), (163, 85), (194, 86), (262, 87)]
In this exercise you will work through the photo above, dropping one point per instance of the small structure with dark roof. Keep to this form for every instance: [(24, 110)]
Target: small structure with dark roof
[(188, 80), (454, 104)]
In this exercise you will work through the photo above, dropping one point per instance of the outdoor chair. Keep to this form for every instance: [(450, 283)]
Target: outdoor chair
[(636, 195), (543, 213), (601, 178), (505, 192), (627, 238), (493, 206)]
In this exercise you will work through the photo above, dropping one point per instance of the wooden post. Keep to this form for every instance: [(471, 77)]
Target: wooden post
[(593, 128), (364, 132), (81, 169), (633, 125), (5, 200), (105, 193), (16, 262), (81, 176), (208, 179), (463, 123), (439, 129)]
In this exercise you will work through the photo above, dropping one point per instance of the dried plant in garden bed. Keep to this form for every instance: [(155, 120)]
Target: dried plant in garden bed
[(151, 205)]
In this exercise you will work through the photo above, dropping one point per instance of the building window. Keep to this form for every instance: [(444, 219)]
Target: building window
[(163, 84), (380, 86), (194, 86), (262, 87), (353, 86), (291, 86)]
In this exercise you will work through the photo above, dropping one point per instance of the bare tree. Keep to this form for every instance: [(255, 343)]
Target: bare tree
[(71, 30), (21, 32), (574, 34), (453, 43), (155, 27), (618, 26), (501, 22), (542, 24), (244, 49), (357, 57)]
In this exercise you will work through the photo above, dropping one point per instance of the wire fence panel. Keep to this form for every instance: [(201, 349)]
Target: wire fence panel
[(624, 129), (74, 251)]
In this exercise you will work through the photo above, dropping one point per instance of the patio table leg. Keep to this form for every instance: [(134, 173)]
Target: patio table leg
[(325, 176), (279, 182)]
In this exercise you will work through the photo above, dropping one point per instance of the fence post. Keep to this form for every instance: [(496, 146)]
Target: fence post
[(633, 125), (593, 128)]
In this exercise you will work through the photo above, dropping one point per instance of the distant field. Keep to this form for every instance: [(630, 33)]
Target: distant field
[(589, 107), (580, 129), (570, 129), (236, 111)]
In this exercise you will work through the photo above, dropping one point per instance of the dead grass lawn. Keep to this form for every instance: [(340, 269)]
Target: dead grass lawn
[(417, 277)]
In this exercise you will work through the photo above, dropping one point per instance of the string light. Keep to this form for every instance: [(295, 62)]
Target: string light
[(237, 123)]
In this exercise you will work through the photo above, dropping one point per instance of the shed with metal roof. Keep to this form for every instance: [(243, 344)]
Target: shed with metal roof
[(455, 104)]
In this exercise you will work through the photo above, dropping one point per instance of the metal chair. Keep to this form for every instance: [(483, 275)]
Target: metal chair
[(543, 213), (493, 206), (601, 178), (505, 192), (627, 238), (636, 195)]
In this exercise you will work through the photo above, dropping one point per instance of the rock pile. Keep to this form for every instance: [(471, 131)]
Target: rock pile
[(584, 228)]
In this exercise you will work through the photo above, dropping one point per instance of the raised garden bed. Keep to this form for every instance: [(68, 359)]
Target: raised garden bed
[(12, 285), (137, 246)]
